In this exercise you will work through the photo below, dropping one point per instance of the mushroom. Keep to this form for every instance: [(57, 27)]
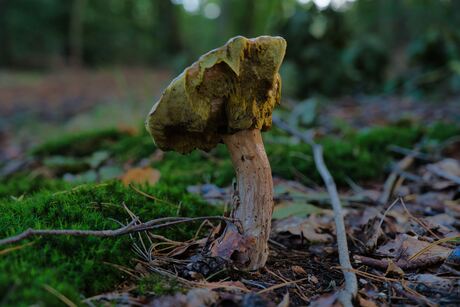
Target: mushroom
[(228, 96)]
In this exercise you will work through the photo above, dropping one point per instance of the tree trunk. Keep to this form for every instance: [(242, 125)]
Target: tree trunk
[(255, 191)]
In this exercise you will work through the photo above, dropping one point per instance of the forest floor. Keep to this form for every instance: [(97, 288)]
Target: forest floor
[(74, 155)]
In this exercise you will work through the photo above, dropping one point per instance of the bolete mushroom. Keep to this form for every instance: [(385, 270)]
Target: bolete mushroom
[(228, 96)]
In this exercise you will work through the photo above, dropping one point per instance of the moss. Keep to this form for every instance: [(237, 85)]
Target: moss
[(73, 265), (80, 144), (360, 156), (197, 167), (158, 285), (442, 131), (26, 184), (133, 147), (378, 139)]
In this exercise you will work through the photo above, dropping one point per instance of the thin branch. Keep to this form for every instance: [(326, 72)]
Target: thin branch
[(389, 186), (284, 284), (351, 283), (150, 196), (132, 227)]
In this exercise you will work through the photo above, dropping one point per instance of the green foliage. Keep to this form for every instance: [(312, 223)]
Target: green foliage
[(80, 144), (442, 131), (158, 285), (134, 147), (215, 167), (359, 156), (409, 47), (75, 265), (26, 184)]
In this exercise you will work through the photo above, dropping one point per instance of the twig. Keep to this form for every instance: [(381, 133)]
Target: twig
[(420, 222), (271, 241), (389, 185), (351, 283), (151, 196), (132, 227), (14, 248), (386, 212), (284, 284), (60, 296), (404, 290)]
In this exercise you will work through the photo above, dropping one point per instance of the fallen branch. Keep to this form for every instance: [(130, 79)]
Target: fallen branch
[(351, 284), (132, 227)]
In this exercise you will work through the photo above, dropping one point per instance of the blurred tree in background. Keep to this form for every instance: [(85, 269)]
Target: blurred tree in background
[(335, 47)]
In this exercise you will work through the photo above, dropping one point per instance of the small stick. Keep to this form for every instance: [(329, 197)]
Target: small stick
[(351, 283), (284, 284), (132, 227), (151, 196), (389, 185), (60, 296)]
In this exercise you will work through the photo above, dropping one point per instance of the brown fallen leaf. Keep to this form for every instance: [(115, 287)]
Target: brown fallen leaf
[(141, 175), (450, 166), (232, 245), (307, 227), (182, 249), (404, 246), (298, 270), (365, 302), (393, 268)]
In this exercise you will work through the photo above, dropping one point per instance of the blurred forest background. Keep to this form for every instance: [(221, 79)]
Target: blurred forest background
[(335, 47)]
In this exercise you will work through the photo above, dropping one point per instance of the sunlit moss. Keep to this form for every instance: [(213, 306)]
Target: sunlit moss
[(78, 266)]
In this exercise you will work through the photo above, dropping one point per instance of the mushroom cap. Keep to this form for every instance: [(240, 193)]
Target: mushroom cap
[(229, 89)]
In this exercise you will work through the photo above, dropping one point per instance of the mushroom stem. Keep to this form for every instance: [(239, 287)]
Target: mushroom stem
[(254, 189)]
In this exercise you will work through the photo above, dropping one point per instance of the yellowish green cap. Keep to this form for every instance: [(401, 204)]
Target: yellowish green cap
[(231, 88)]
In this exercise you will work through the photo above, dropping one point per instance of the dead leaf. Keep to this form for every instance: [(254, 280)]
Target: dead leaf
[(404, 246), (298, 270), (141, 175), (393, 268), (306, 227), (288, 208), (369, 234), (232, 245), (434, 282), (450, 166), (365, 303), (182, 249)]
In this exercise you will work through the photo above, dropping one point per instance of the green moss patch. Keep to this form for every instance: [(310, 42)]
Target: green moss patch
[(158, 285), (22, 185), (80, 144), (77, 266)]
